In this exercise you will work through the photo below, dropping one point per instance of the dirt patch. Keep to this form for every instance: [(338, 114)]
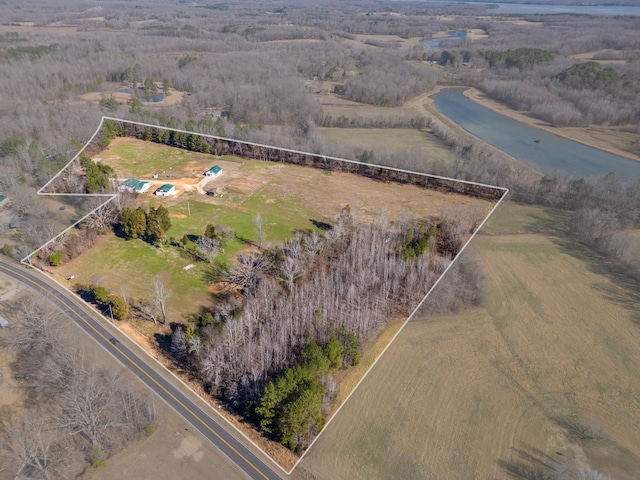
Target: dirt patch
[(175, 450), (245, 185), (477, 34)]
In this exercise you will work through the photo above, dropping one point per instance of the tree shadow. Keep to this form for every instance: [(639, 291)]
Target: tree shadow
[(549, 222), (530, 463), (324, 226), (244, 240), (163, 342), (624, 289)]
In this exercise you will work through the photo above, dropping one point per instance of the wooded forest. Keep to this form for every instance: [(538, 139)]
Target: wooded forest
[(260, 63)]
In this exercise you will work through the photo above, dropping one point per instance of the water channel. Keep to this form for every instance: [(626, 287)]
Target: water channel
[(547, 153)]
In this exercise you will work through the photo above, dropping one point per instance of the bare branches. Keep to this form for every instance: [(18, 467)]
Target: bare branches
[(161, 295), (74, 408), (35, 326), (31, 446)]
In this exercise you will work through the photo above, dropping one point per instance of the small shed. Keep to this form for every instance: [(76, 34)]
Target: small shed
[(3, 199), (134, 185), (165, 190), (3, 322), (213, 171)]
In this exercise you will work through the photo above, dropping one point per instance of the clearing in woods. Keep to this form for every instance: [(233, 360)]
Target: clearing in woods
[(545, 374), (289, 198)]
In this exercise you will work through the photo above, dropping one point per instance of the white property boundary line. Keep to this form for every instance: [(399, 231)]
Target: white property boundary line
[(415, 310), (109, 197)]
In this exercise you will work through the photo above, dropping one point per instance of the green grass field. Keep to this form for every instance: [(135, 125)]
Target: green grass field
[(130, 261)]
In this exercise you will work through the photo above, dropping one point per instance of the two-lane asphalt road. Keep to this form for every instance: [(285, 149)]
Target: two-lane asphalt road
[(244, 458)]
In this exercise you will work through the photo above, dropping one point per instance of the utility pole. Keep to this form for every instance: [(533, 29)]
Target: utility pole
[(189, 208)]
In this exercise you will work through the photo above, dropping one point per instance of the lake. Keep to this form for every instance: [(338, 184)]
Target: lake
[(154, 98), (547, 153), (531, 9), (434, 43)]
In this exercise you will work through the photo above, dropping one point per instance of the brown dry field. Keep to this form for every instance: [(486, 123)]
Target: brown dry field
[(314, 188), (174, 451), (552, 356), (589, 56), (171, 98)]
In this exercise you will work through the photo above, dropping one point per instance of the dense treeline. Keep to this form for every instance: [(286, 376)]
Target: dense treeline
[(283, 301), (387, 82), (519, 58), (150, 225), (223, 146)]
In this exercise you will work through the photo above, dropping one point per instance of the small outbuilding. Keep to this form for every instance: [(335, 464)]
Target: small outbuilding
[(165, 190), (213, 171), (3, 199), (135, 186), (3, 322)]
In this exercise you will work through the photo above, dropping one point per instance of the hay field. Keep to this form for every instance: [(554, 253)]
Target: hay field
[(545, 375), (388, 141)]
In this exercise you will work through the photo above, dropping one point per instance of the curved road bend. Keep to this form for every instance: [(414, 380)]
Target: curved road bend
[(238, 453)]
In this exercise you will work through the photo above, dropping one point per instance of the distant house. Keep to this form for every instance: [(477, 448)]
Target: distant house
[(165, 190), (134, 185), (3, 199), (3, 322), (213, 171)]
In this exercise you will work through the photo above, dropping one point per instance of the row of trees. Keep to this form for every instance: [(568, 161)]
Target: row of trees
[(74, 411), (519, 58)]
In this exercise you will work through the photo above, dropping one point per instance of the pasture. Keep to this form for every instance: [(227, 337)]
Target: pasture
[(289, 199), (388, 141), (546, 374)]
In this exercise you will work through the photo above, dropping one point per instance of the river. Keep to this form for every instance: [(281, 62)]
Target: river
[(547, 153)]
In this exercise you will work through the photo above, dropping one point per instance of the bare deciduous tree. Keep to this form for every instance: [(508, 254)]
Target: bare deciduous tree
[(258, 224), (161, 295), (30, 446)]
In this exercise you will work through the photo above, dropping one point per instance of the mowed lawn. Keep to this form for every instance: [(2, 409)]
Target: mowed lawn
[(130, 266), (547, 372)]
